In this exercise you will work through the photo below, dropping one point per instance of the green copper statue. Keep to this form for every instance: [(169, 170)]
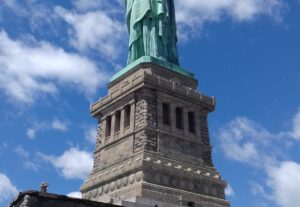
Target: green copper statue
[(152, 29)]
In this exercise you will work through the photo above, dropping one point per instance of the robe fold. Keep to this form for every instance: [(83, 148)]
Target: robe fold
[(152, 29)]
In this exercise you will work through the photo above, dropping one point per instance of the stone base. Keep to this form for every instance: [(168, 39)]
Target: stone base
[(159, 180), (167, 197), (143, 159)]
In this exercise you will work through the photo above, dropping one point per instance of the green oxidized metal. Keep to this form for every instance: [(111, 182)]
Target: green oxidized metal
[(152, 35), (149, 59), (152, 29)]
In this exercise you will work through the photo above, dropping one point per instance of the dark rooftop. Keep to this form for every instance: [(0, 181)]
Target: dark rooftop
[(43, 199)]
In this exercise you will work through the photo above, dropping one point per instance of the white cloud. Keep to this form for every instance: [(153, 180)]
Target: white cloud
[(229, 191), (242, 140), (75, 195), (296, 126), (21, 152), (27, 161), (31, 133), (257, 189), (248, 142), (59, 125), (56, 125), (87, 5), (7, 189), (29, 165), (95, 30), (27, 71), (98, 24), (285, 183), (95, 25), (72, 164), (12, 5), (193, 14), (91, 134), (36, 12)]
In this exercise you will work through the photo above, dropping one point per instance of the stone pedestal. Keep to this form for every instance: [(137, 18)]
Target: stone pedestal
[(153, 146)]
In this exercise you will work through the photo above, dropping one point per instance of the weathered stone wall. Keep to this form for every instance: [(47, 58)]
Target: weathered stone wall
[(151, 159), (207, 157)]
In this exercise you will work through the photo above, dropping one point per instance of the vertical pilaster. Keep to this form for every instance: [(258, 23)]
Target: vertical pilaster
[(207, 157), (132, 116), (113, 124), (104, 129), (122, 121)]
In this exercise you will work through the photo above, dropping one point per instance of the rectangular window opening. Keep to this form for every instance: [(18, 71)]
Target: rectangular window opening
[(118, 121), (191, 204), (191, 119), (127, 116), (179, 118), (166, 114), (108, 126)]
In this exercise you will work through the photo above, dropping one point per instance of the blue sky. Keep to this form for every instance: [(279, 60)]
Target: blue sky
[(57, 56)]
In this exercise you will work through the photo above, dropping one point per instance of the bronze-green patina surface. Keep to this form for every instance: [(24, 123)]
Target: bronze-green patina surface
[(152, 35), (149, 59), (152, 29)]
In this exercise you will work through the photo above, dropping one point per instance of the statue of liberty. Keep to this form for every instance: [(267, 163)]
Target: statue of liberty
[(152, 29)]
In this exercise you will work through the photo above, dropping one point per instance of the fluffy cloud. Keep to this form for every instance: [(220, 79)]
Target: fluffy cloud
[(91, 134), (31, 133), (95, 30), (21, 152), (229, 191), (95, 27), (242, 140), (296, 126), (193, 14), (74, 195), (27, 70), (98, 25), (109, 6), (56, 125), (29, 165), (85, 5), (59, 125), (37, 13), (27, 161), (7, 189), (284, 180), (72, 164), (246, 141)]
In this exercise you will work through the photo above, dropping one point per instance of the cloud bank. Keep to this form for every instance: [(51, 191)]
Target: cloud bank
[(72, 164), (27, 70), (31, 69), (193, 14), (247, 142), (55, 124), (96, 30), (7, 189)]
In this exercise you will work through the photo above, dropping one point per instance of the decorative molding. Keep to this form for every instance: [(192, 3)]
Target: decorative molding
[(111, 187), (142, 76)]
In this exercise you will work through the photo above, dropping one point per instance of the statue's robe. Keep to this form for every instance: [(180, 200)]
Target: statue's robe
[(152, 29)]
